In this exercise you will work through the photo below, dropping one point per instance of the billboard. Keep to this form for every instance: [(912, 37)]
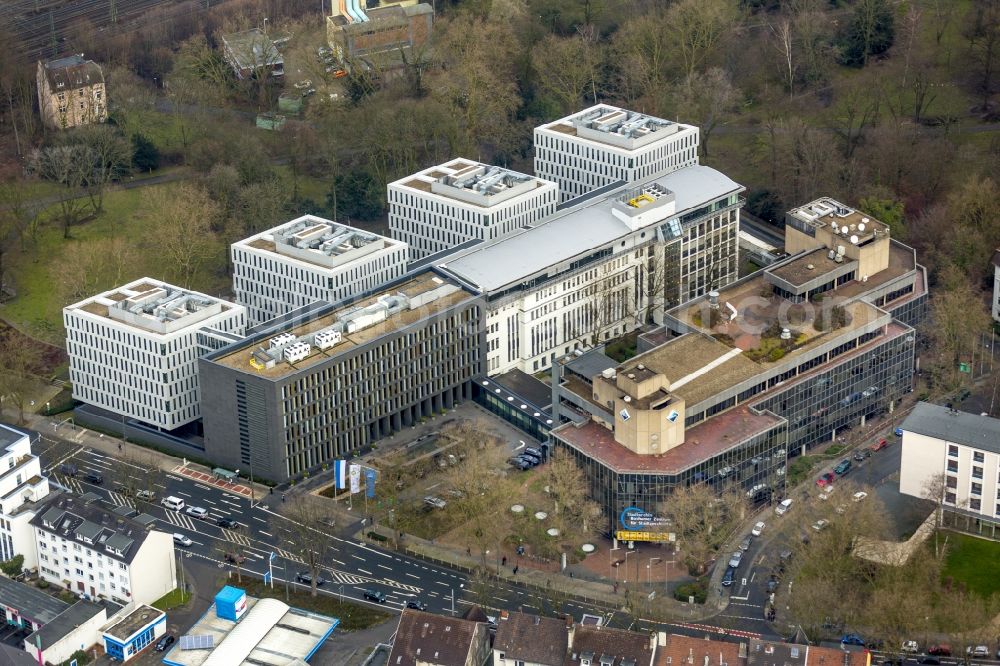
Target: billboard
[(637, 524)]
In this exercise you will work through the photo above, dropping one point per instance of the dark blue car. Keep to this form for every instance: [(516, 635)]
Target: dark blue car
[(852, 639)]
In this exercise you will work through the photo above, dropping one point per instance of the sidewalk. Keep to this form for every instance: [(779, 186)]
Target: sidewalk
[(117, 448)]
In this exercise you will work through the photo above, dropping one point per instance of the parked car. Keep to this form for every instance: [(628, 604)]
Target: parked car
[(930, 661), (306, 578), (852, 639), (727, 579), (375, 595), (821, 524), (145, 495), (95, 477), (861, 454), (772, 583), (228, 523), (843, 467), (234, 558), (882, 443), (979, 651), (826, 479), (858, 496), (758, 529), (783, 507), (736, 558), (417, 604), (910, 647), (535, 452), (898, 432), (825, 495), (745, 544), (182, 540), (435, 502), (69, 469), (940, 650), (166, 640), (533, 459), (197, 512)]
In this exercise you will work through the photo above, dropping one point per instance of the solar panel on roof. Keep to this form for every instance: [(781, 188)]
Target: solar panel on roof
[(197, 642)]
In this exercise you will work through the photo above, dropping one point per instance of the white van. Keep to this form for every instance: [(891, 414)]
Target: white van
[(173, 503), (783, 508)]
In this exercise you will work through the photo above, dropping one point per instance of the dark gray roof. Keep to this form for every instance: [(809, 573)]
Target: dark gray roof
[(434, 638), (73, 72), (30, 602), (125, 510), (9, 435), (144, 519), (88, 530), (66, 622), (68, 515), (526, 387), (13, 656), (592, 363), (981, 432)]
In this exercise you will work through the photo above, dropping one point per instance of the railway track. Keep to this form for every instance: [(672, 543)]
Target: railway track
[(43, 26)]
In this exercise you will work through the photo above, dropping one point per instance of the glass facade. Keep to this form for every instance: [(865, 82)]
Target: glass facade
[(756, 466), (511, 412)]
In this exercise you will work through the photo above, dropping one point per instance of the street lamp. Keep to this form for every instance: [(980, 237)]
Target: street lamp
[(625, 575), (649, 570)]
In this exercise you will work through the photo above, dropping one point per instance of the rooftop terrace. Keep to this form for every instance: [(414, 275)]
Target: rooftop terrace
[(339, 328), (154, 306), (318, 241)]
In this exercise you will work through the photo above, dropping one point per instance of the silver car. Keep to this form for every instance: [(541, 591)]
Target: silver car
[(735, 560), (745, 544)]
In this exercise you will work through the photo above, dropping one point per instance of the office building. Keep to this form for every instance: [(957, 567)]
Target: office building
[(318, 387), (604, 267), (741, 379), (953, 458), (71, 92), (22, 488), (92, 551), (453, 203), (310, 259), (379, 33), (134, 350), (605, 144)]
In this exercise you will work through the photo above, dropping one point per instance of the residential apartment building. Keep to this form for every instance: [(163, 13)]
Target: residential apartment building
[(328, 383), (436, 640), (604, 267), (22, 487), (91, 551), (71, 92), (444, 206), (747, 376), (134, 350), (604, 144), (252, 53), (310, 259), (953, 458)]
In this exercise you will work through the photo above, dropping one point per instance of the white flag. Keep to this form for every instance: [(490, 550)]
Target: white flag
[(355, 475)]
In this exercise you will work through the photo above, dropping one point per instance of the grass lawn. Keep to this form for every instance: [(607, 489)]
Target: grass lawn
[(353, 617), (974, 562), (173, 599), (799, 468)]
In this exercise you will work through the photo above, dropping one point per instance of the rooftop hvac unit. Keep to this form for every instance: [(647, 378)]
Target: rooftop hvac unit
[(327, 339), (839, 258), (297, 351), (831, 254), (282, 339), (841, 250)]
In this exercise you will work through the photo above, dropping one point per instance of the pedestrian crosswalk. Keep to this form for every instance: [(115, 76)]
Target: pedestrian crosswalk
[(234, 537), (180, 520), (289, 556), (69, 482), (118, 499)]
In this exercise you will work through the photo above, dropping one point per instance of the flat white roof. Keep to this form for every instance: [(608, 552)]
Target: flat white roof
[(573, 232), (467, 181), (615, 127), (270, 632), (318, 242), (154, 306)]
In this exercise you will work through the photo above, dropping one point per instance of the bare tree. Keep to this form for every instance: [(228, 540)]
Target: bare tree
[(70, 166), (607, 300), (91, 266), (110, 160), (708, 99), (303, 530), (697, 27), (983, 32), (566, 68), (702, 518), (132, 99), (186, 214), (20, 365), (783, 43)]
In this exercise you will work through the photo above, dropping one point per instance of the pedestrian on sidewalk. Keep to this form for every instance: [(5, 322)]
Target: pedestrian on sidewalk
[(503, 562), (570, 574), (616, 588), (468, 551), (282, 497), (119, 447), (515, 569)]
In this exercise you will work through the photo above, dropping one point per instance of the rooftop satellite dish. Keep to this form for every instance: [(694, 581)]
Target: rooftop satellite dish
[(861, 227), (844, 229), (854, 240)]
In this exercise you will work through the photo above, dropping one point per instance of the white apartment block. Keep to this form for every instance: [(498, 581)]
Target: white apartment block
[(603, 268), (310, 259), (995, 308), (98, 553), (134, 350), (444, 206), (953, 458), (22, 486), (605, 144)]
